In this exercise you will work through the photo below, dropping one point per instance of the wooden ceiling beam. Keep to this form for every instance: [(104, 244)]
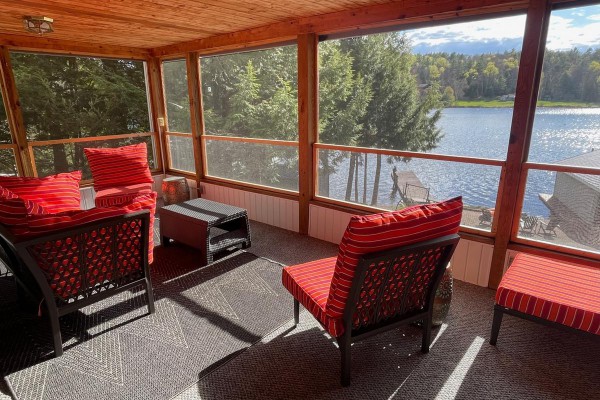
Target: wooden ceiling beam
[(396, 13), (45, 45)]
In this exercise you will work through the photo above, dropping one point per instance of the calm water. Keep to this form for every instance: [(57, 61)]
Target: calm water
[(559, 133)]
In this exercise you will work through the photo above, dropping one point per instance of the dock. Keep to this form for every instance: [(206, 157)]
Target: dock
[(411, 189)]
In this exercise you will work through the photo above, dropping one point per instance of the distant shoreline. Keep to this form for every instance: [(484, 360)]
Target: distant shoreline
[(510, 104)]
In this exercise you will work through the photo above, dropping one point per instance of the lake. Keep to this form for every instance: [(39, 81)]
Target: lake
[(558, 134)]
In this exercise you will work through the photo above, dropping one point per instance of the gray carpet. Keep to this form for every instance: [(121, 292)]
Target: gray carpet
[(530, 362), (219, 362), (114, 350)]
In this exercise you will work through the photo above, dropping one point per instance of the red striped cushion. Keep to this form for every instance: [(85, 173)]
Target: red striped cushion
[(62, 261), (121, 195), (14, 210), (122, 166), (309, 284), (557, 291), (39, 225), (55, 193), (383, 231)]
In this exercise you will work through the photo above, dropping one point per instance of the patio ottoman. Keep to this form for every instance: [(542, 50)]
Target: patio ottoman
[(551, 292), (206, 225)]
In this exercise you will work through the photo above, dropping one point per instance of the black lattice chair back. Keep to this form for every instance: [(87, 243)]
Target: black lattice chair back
[(396, 283), (391, 288), (92, 260)]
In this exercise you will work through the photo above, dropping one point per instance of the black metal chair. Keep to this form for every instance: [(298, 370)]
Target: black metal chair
[(74, 267), (391, 288)]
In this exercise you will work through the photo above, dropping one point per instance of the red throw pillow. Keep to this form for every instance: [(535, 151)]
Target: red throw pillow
[(14, 210), (55, 193), (122, 166), (383, 231)]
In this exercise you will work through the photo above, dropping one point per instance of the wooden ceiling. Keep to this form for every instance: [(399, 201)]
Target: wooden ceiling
[(156, 23)]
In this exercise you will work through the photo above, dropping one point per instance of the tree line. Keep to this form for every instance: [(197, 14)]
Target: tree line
[(570, 76)]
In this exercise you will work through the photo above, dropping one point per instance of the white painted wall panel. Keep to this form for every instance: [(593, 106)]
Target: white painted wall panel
[(459, 260), (271, 210)]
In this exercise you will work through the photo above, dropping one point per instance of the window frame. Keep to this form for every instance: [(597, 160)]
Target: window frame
[(19, 129)]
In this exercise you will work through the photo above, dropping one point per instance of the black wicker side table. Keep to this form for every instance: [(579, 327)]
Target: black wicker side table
[(206, 225)]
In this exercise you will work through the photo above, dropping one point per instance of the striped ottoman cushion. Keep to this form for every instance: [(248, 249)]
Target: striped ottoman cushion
[(122, 166), (568, 294), (309, 284), (117, 196), (55, 193), (383, 231)]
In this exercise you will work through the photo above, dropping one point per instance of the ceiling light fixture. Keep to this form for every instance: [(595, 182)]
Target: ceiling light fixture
[(39, 25)]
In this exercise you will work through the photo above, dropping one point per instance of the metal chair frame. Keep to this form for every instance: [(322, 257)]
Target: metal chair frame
[(445, 245)]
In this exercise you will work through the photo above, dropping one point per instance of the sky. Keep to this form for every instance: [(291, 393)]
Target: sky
[(578, 27)]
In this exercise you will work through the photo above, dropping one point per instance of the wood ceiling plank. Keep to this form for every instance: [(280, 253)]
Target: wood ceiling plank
[(404, 11), (156, 23)]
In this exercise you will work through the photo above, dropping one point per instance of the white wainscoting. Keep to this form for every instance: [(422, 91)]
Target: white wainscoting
[(87, 197), (282, 213), (327, 224), (471, 262)]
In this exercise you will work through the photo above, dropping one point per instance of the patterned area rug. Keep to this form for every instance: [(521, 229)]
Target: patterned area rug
[(531, 361), (114, 350)]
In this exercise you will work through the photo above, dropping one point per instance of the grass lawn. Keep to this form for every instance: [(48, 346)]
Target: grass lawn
[(509, 104)]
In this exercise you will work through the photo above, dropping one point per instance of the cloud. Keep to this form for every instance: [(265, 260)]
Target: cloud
[(497, 29), (567, 33), (568, 29)]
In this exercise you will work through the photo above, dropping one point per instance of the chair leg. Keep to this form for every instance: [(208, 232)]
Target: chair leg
[(345, 348), (150, 296), (498, 314), (55, 327), (296, 312), (427, 323)]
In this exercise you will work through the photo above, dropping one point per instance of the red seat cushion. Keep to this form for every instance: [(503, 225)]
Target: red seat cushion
[(383, 231), (55, 193), (121, 166), (309, 284), (116, 196), (561, 292), (60, 258)]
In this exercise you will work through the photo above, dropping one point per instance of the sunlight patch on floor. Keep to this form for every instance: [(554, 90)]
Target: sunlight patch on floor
[(455, 380)]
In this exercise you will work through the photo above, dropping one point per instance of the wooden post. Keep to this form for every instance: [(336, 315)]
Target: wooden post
[(157, 105), (530, 71), (308, 81), (196, 112), (14, 113)]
